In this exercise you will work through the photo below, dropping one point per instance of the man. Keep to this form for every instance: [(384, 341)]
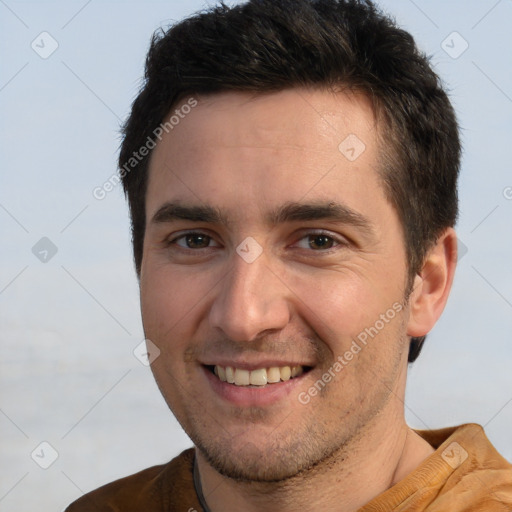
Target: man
[(291, 169)]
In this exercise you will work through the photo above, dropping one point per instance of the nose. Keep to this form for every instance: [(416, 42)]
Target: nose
[(252, 301)]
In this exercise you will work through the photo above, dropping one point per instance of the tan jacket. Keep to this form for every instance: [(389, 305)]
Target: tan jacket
[(465, 474)]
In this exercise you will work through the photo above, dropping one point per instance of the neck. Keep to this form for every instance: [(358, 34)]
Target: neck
[(375, 461)]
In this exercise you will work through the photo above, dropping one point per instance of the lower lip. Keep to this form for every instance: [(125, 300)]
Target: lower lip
[(244, 396)]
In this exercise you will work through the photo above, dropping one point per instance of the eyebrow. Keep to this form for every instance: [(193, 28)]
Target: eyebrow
[(289, 212), (174, 211), (330, 211)]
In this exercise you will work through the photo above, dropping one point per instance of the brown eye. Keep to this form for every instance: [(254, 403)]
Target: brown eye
[(193, 241), (197, 241), (321, 242), (318, 242)]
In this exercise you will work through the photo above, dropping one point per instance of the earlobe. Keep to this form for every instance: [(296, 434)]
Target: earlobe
[(432, 285)]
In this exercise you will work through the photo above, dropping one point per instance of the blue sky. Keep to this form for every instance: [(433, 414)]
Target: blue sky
[(69, 325)]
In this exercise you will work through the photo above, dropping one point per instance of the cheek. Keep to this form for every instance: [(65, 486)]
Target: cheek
[(335, 305), (345, 306), (171, 305), (169, 302)]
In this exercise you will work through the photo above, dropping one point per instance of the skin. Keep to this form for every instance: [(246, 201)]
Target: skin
[(304, 300)]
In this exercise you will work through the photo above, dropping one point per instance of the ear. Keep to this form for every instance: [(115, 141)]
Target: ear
[(432, 285)]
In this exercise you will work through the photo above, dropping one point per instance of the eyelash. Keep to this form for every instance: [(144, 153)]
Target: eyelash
[(339, 241)]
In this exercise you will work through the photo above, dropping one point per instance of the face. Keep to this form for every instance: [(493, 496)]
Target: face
[(270, 249)]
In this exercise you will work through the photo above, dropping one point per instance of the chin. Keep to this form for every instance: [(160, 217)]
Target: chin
[(252, 467), (275, 462)]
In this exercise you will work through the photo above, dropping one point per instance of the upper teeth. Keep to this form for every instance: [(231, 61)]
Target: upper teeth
[(259, 377)]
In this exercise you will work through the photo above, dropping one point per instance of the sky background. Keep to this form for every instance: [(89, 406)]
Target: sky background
[(69, 325)]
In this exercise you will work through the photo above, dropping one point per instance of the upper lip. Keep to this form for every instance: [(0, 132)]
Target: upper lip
[(255, 365)]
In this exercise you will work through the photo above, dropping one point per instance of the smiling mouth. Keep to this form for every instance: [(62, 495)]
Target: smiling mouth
[(259, 377)]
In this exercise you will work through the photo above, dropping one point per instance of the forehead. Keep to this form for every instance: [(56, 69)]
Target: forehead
[(271, 148)]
